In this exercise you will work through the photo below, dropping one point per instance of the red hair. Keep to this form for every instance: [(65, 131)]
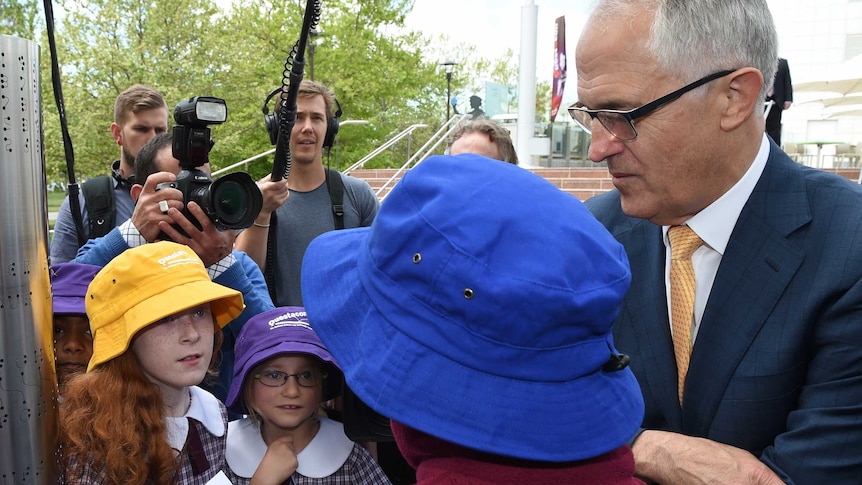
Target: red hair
[(112, 419)]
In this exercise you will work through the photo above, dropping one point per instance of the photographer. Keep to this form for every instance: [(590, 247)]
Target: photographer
[(155, 165)]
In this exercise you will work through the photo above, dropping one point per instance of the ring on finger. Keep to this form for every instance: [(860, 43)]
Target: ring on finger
[(163, 206)]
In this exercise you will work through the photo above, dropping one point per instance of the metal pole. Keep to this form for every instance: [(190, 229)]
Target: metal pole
[(409, 137), (527, 84), (448, 92), (28, 396), (311, 60), (450, 67)]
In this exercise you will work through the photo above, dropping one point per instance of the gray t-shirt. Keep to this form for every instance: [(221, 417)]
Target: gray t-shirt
[(305, 216)]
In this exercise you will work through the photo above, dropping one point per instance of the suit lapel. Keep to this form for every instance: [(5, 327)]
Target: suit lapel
[(756, 268), (644, 329)]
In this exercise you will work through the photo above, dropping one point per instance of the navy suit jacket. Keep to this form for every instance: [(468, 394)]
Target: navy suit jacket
[(776, 368)]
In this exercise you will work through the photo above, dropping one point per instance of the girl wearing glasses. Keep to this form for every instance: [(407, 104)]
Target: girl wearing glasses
[(281, 376)]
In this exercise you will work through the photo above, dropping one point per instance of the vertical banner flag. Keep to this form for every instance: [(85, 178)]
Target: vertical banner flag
[(559, 66)]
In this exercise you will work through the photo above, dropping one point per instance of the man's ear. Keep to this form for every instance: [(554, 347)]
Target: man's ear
[(117, 132), (135, 191), (742, 92)]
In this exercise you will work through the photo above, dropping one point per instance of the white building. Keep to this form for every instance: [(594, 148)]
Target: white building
[(816, 37)]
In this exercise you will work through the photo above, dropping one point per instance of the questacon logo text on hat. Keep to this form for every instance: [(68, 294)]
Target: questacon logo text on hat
[(146, 284), (290, 319), (477, 308)]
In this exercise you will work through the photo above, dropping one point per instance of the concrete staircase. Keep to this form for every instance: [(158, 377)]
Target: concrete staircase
[(581, 182)]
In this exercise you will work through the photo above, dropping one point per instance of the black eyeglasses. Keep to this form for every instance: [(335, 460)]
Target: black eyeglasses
[(621, 124), (276, 378)]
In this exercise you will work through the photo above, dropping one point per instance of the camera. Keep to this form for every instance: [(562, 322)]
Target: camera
[(231, 202)]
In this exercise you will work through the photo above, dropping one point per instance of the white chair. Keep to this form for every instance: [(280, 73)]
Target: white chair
[(845, 156), (794, 151)]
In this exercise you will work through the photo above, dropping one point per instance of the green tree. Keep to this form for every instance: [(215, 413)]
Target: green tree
[(18, 18), (362, 52), (380, 72), (105, 46)]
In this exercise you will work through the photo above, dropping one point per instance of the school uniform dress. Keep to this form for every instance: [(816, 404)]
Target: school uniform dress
[(329, 459), (201, 434)]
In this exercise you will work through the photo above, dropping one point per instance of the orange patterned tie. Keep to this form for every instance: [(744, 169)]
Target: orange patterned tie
[(683, 242)]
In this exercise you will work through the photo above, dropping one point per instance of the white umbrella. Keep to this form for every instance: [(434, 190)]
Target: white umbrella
[(839, 101), (840, 114), (843, 101), (846, 78)]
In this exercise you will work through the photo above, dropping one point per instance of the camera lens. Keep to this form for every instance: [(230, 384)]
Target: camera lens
[(235, 200), (230, 202)]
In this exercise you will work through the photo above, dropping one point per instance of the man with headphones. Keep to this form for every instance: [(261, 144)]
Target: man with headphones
[(140, 113), (306, 203)]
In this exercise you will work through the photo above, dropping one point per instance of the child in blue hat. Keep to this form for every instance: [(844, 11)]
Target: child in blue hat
[(475, 313), (282, 374)]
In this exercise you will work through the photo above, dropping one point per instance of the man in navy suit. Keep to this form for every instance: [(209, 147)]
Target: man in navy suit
[(673, 92), (782, 95)]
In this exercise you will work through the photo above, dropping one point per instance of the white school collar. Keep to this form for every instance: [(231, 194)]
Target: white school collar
[(323, 456), (204, 408)]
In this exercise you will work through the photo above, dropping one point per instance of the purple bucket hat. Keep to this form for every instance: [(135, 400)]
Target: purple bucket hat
[(69, 282), (278, 331)]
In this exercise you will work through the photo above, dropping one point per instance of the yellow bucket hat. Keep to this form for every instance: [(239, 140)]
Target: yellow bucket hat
[(146, 284)]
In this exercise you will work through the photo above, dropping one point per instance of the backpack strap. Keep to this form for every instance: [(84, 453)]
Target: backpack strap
[(101, 209), (336, 195), (271, 256)]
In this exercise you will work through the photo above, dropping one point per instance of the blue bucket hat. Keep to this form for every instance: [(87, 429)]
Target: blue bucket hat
[(278, 331), (477, 308), (69, 282)]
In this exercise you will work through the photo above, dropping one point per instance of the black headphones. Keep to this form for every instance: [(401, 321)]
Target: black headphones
[(271, 122), (115, 172)]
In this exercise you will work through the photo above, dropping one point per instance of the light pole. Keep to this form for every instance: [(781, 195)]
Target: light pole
[(450, 67)]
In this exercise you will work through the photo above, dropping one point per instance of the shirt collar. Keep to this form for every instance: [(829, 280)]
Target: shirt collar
[(322, 457)]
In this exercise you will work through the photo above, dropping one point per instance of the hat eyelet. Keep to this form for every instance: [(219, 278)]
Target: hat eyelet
[(417, 258), (468, 293)]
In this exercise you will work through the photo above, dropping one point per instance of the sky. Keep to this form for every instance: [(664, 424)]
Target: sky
[(494, 26)]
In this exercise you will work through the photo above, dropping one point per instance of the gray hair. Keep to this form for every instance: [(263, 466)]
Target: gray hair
[(694, 38)]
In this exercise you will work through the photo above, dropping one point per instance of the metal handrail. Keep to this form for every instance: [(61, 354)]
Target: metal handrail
[(435, 140), (395, 139), (271, 151), (241, 162)]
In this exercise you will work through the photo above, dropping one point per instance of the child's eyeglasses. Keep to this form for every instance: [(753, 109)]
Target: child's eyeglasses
[(275, 378)]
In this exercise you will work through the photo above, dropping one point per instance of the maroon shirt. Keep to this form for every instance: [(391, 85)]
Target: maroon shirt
[(440, 462)]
